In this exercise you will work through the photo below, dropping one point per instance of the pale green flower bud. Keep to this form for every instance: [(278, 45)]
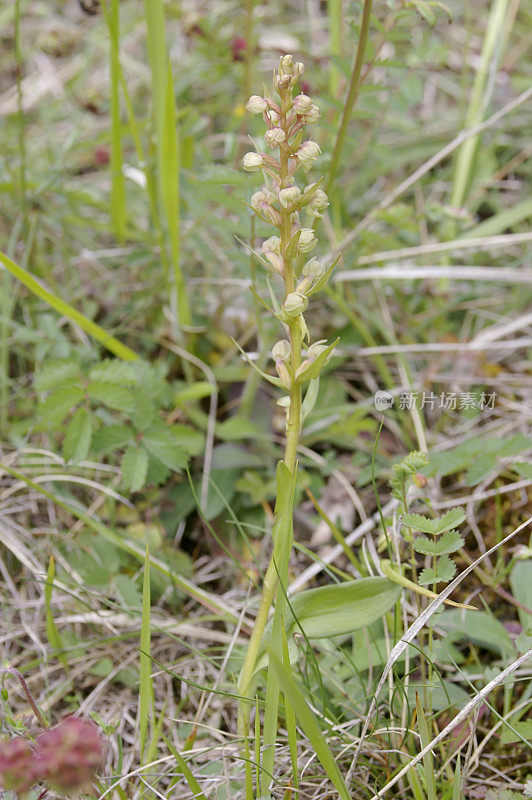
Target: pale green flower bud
[(257, 104), (282, 371), (312, 115), (272, 251), (302, 104), (313, 269), (289, 196), (307, 240), (295, 304), (298, 70), (262, 196), (281, 350), (286, 65), (272, 117), (252, 162), (274, 136), (316, 349), (308, 153), (272, 244), (319, 203)]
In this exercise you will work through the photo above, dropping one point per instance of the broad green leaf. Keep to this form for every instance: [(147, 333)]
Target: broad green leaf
[(193, 391), (236, 428), (165, 443), (523, 469), (308, 722), (448, 542), (111, 437), (54, 373), (479, 627), (134, 467), (452, 518), (524, 729), (442, 573), (521, 583), (54, 409), (228, 456), (78, 435), (112, 395), (127, 591), (112, 370), (344, 607), (190, 439)]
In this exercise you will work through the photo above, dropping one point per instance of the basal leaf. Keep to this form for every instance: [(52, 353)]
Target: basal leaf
[(134, 467), (344, 607), (78, 435)]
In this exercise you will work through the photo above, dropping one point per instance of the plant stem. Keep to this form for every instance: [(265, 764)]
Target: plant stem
[(293, 431)]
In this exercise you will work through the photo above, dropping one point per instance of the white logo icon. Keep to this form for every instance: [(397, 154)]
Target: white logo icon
[(383, 400)]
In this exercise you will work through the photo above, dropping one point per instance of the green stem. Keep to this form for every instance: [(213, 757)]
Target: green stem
[(352, 94), (293, 431)]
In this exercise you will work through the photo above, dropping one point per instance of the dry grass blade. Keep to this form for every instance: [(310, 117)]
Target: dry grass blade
[(416, 626), (460, 717)]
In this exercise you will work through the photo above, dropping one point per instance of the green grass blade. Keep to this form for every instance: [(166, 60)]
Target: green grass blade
[(428, 760), (169, 177), (92, 328), (466, 154), (500, 222), (334, 8), (309, 724), (290, 717), (118, 192), (52, 633), (193, 785), (145, 682)]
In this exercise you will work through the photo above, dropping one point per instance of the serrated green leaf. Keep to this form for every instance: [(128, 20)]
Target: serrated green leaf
[(111, 437), (54, 373), (112, 395), (78, 435), (134, 467), (448, 542), (443, 572), (113, 371), (427, 576), (190, 439), (445, 569), (165, 444), (452, 518), (54, 409)]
